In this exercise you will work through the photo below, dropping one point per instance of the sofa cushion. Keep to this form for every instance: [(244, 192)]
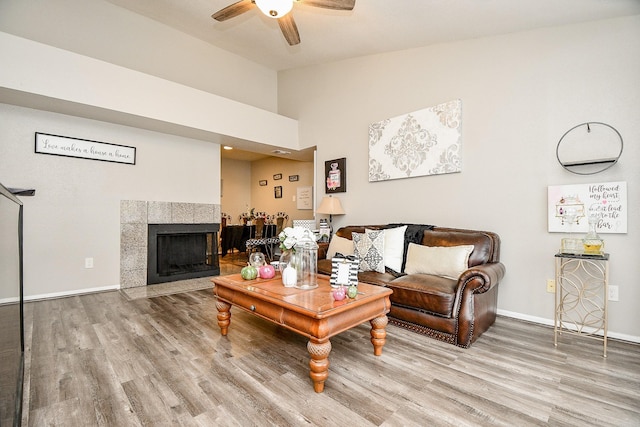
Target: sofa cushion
[(486, 249), (339, 245), (443, 261), (394, 248), (369, 248), (431, 294)]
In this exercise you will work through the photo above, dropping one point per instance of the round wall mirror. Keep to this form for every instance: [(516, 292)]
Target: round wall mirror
[(589, 148)]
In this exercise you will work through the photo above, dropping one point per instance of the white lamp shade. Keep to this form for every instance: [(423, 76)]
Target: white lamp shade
[(275, 8), (331, 206)]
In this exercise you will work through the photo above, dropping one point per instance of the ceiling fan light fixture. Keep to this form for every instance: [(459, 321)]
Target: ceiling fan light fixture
[(275, 8)]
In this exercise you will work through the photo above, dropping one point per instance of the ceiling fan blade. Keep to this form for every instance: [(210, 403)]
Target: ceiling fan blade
[(331, 4), (233, 10), (289, 29)]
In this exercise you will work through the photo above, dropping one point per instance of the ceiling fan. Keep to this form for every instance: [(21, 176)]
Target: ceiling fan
[(280, 10)]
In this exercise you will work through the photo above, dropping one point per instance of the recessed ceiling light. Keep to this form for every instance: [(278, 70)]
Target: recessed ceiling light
[(226, 147), (281, 152)]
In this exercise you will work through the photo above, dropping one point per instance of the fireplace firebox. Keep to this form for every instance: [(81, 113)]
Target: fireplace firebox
[(182, 251)]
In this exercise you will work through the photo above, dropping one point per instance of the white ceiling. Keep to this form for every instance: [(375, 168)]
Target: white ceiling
[(373, 26)]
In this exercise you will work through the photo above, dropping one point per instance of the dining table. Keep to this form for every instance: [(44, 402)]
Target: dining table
[(235, 236)]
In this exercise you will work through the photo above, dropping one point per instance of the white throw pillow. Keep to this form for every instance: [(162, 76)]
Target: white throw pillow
[(444, 261), (339, 245), (369, 248), (394, 247)]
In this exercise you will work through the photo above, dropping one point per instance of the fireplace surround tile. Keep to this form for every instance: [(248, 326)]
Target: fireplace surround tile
[(133, 211), (133, 235), (133, 278), (203, 214), (134, 258), (159, 212), (182, 213)]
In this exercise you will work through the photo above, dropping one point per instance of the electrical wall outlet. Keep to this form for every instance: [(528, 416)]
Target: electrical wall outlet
[(613, 293), (551, 285), (88, 263)]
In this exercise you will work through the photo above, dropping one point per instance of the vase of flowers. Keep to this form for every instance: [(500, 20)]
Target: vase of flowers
[(248, 216)]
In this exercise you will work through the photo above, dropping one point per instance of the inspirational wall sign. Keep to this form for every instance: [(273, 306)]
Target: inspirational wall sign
[(607, 200), (85, 149)]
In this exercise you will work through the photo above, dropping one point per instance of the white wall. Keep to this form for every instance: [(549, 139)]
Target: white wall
[(75, 213), (102, 30), (519, 93)]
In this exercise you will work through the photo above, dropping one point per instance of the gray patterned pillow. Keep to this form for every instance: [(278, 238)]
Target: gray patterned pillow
[(369, 248)]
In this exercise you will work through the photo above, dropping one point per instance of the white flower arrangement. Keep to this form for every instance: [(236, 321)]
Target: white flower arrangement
[(291, 235)]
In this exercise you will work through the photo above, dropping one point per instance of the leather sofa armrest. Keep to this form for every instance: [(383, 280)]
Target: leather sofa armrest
[(487, 275), (323, 248)]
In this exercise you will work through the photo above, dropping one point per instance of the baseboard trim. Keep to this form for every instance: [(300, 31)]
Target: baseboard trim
[(70, 293), (549, 322)]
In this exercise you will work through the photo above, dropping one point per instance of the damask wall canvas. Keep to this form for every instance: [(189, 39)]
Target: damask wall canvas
[(425, 142)]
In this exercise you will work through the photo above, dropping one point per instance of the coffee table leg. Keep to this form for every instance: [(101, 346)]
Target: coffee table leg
[(378, 333), (319, 363), (224, 316)]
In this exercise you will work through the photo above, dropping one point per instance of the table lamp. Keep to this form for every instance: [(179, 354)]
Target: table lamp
[(331, 206)]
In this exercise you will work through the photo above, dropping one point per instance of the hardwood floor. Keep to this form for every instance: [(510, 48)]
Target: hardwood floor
[(106, 359)]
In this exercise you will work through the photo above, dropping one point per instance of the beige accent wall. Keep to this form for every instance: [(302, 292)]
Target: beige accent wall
[(520, 92), (263, 198), (236, 187), (241, 188)]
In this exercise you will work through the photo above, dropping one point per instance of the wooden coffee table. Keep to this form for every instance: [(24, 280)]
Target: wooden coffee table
[(312, 313)]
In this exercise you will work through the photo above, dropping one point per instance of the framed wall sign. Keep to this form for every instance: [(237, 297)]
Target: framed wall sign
[(277, 176), (304, 197), (293, 178), (335, 173), (277, 192), (262, 182), (84, 149)]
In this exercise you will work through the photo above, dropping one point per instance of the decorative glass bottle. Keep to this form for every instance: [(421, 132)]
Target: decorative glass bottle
[(306, 255), (592, 243)]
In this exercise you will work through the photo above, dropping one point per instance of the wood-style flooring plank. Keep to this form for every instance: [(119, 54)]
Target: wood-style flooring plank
[(106, 360)]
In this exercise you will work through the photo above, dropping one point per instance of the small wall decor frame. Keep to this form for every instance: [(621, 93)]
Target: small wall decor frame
[(263, 183), (293, 178), (66, 146), (277, 176), (277, 192), (335, 173)]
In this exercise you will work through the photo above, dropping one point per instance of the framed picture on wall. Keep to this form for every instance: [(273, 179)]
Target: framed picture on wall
[(277, 192), (335, 174), (277, 176), (293, 178), (262, 182)]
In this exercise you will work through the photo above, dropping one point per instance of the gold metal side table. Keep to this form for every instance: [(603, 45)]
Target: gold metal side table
[(581, 296)]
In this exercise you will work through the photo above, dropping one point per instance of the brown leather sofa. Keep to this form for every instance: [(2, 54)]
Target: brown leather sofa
[(454, 311)]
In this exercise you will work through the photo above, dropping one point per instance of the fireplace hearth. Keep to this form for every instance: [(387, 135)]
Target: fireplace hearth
[(182, 251)]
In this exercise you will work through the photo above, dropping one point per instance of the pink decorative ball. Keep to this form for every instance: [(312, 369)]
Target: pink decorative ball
[(267, 271), (339, 293)]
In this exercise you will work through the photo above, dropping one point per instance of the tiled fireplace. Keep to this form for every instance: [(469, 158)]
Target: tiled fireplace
[(135, 217)]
